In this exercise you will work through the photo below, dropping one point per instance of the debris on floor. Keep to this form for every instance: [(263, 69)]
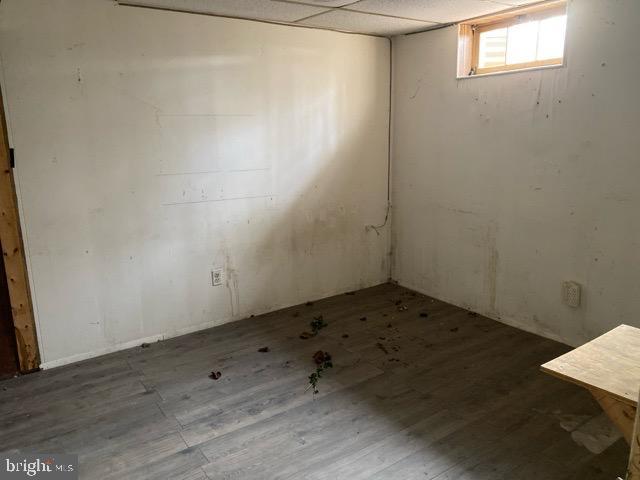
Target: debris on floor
[(145, 345), (320, 357), (345, 335), (323, 361), (318, 324), (363, 319), (424, 314), (403, 308), (215, 375), (472, 314), (382, 347), (454, 329), (263, 349), (398, 302)]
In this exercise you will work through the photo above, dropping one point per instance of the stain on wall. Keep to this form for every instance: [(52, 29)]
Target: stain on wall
[(183, 143), (547, 160)]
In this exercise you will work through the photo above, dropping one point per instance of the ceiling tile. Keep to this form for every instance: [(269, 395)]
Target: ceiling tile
[(363, 23), (513, 3), (440, 11), (322, 3), (253, 9)]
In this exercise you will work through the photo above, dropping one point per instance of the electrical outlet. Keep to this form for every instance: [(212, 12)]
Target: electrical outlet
[(217, 277), (571, 294)]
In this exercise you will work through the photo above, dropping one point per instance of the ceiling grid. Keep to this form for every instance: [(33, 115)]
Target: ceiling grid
[(371, 17)]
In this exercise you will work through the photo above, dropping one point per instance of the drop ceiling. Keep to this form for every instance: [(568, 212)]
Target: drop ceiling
[(373, 17)]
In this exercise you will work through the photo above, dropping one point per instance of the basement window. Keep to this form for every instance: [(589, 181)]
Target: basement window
[(525, 38)]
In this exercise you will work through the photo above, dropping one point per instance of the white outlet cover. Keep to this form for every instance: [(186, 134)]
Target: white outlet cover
[(571, 292), (217, 277)]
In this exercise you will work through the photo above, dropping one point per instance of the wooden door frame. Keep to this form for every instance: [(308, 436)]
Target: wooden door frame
[(15, 260)]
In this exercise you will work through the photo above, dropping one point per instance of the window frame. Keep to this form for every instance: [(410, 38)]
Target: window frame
[(469, 38)]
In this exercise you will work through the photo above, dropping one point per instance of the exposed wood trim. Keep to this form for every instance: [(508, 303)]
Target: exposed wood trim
[(465, 50), (469, 37), (14, 259)]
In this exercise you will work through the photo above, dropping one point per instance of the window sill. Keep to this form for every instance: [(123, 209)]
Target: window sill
[(509, 72)]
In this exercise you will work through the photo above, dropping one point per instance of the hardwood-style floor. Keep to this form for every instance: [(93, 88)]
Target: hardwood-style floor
[(447, 396)]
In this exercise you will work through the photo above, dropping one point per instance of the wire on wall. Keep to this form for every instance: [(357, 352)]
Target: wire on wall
[(377, 228)]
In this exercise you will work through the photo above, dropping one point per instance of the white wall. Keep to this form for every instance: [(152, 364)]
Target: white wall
[(505, 186), (153, 146)]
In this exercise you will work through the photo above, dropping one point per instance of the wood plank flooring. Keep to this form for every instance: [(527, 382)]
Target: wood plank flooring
[(446, 396)]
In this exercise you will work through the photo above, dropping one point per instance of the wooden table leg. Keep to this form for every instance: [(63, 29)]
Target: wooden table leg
[(633, 469), (621, 414)]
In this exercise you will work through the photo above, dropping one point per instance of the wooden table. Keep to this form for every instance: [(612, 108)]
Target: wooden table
[(609, 367)]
